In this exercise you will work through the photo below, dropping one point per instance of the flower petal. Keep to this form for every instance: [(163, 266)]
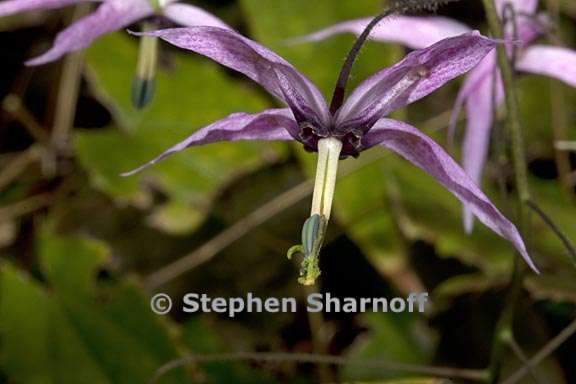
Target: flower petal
[(110, 16), (191, 16), (273, 124), (417, 75), (423, 152), (272, 72), (480, 114), (472, 82), (11, 7), (556, 62), (520, 6), (424, 31)]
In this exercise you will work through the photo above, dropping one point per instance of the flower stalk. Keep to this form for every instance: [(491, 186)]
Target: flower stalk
[(504, 328)]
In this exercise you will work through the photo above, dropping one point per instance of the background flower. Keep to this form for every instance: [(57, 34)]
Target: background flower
[(477, 94), (111, 15)]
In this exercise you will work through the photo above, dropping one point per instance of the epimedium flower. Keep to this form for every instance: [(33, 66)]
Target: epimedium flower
[(482, 88), (110, 16), (346, 128)]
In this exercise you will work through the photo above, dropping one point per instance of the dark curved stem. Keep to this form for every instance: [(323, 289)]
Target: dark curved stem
[(340, 89), (557, 231)]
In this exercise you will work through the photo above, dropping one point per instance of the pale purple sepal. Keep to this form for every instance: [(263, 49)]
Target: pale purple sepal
[(556, 62), (472, 81), (431, 67), (424, 153), (480, 109), (110, 16), (191, 16), (413, 32), (11, 7), (273, 124), (272, 72)]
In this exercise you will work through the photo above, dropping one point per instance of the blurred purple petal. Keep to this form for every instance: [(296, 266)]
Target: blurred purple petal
[(529, 28), (260, 64), (423, 152), (416, 76), (15, 6), (191, 16), (556, 62), (424, 31), (480, 114), (473, 81), (273, 124), (110, 16), (520, 6)]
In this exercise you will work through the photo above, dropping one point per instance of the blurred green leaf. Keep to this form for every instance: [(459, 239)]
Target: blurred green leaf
[(71, 332), (191, 93)]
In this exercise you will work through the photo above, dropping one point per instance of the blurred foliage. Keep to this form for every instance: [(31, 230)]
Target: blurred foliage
[(77, 243)]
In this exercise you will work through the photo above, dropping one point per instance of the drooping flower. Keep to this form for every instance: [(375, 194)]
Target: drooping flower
[(346, 129), (482, 88), (110, 16)]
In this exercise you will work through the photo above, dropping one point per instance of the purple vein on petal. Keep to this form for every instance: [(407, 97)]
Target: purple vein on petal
[(241, 54)]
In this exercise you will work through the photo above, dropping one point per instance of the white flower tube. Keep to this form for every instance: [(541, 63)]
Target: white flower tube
[(326, 172)]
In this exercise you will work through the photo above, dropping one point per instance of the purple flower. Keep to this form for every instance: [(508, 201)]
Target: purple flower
[(480, 89), (111, 15), (359, 123)]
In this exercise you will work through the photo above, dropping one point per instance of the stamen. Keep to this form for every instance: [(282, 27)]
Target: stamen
[(328, 156), (143, 83), (157, 5), (314, 230)]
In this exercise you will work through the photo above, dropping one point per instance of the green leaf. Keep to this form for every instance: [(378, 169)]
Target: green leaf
[(187, 85)]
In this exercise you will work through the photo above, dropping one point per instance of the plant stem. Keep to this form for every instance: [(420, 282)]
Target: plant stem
[(504, 327), (319, 339), (546, 351), (281, 357), (68, 89), (559, 115)]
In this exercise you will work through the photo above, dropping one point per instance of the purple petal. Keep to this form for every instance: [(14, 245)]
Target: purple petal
[(520, 6), (529, 28), (417, 75), (272, 72), (110, 16), (480, 113), (556, 62), (424, 31), (273, 124), (473, 81), (11, 7), (191, 16), (423, 152)]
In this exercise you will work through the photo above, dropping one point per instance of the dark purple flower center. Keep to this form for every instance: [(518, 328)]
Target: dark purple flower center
[(351, 140)]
